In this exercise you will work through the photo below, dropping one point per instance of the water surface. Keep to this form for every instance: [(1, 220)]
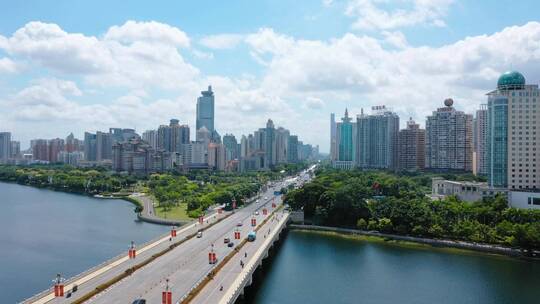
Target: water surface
[(43, 232), (317, 268)]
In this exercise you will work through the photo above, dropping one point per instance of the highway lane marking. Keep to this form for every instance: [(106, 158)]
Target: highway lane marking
[(113, 264)]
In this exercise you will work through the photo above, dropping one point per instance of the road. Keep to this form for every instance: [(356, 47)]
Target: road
[(224, 285), (186, 264), (183, 266)]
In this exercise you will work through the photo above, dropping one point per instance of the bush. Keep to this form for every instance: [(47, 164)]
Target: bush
[(361, 224)]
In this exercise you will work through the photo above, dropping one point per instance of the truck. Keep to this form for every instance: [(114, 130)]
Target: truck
[(252, 236)]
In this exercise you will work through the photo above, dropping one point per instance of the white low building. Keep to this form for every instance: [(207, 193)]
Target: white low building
[(523, 199), (466, 191)]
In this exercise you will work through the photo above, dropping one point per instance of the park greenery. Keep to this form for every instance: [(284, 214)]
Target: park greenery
[(177, 194), (397, 204), (68, 179)]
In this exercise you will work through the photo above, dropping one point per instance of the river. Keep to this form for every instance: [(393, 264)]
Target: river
[(311, 267), (44, 232)]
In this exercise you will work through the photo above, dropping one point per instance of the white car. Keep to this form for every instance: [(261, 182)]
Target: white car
[(256, 212)]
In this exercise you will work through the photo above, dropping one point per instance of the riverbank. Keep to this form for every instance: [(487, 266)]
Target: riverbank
[(408, 240)]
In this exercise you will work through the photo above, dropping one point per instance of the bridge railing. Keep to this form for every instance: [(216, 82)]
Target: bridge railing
[(247, 274)]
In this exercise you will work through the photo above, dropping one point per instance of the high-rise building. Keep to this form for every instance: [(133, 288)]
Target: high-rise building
[(270, 144), (449, 139), (345, 143), (150, 136), (412, 141), (55, 146), (497, 140), (292, 152), (282, 141), (90, 146), (377, 139), (480, 140), (40, 150), (104, 142), (137, 157), (5, 146), (205, 111), (517, 104), (15, 149), (216, 156), (72, 144), (333, 140), (231, 147)]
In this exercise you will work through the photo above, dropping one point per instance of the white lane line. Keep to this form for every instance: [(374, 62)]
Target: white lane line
[(90, 276)]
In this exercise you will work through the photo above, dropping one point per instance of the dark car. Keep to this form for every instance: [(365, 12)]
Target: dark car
[(230, 244), (139, 301), (226, 240)]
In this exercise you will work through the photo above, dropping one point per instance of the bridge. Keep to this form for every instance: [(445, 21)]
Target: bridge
[(195, 266)]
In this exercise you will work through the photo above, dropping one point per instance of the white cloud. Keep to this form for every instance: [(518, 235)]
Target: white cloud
[(354, 70), (375, 14), (202, 55), (314, 103), (396, 39), (136, 54), (222, 41), (153, 32), (8, 66), (358, 71)]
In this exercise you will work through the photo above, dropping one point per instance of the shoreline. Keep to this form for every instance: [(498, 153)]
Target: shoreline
[(410, 240)]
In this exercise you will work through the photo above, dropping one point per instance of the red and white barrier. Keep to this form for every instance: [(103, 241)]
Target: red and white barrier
[(253, 222), (173, 232), (132, 253), (166, 297), (58, 290), (265, 211), (212, 259), (237, 235)]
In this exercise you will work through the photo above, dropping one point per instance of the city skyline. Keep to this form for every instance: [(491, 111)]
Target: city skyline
[(152, 65)]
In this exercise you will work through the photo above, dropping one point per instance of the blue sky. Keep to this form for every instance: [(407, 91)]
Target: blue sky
[(89, 65)]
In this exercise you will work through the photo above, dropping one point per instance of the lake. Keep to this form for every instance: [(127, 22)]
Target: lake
[(44, 232), (311, 267)]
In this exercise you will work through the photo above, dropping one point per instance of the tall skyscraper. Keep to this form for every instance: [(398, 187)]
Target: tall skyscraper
[(150, 136), (449, 139), (104, 142), (40, 149), (282, 141), (90, 152), (513, 112), (480, 139), (345, 143), (292, 152), (270, 144), (205, 110), (55, 146), (231, 147), (333, 139), (412, 141), (377, 139), (15, 149), (5, 146)]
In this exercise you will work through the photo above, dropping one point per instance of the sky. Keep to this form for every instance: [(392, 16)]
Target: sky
[(75, 66)]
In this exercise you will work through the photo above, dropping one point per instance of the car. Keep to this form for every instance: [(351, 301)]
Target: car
[(199, 234), (68, 295), (239, 224), (226, 240), (230, 244), (256, 212), (139, 301)]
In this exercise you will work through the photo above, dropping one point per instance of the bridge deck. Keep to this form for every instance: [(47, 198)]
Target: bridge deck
[(232, 276)]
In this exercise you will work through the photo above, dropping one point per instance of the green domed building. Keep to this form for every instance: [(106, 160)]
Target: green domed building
[(511, 80)]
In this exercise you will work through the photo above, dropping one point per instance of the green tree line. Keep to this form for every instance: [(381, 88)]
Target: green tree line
[(390, 203)]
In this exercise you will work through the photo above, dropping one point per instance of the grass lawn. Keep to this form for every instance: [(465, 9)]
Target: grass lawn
[(175, 213)]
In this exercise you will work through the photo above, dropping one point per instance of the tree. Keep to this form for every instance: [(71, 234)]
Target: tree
[(361, 224)]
